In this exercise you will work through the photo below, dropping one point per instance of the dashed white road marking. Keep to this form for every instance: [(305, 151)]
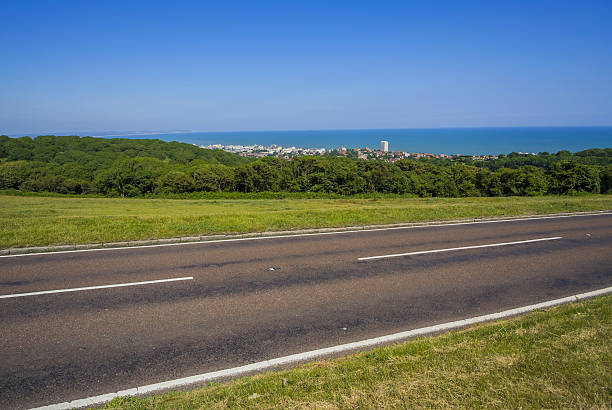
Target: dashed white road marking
[(116, 285), (490, 245)]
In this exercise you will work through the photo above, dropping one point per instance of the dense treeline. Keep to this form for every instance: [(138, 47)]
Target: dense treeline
[(70, 164), (123, 167), (94, 153), (544, 160)]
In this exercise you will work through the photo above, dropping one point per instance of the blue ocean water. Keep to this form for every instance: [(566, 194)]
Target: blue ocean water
[(429, 140)]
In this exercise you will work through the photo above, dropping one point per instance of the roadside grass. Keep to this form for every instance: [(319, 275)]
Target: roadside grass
[(557, 358), (39, 221)]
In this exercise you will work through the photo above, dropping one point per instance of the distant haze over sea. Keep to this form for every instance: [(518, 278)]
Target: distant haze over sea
[(429, 140)]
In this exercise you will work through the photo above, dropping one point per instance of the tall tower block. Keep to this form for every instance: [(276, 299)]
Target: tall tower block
[(384, 146)]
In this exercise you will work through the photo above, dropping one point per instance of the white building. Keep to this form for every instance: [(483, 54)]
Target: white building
[(384, 146)]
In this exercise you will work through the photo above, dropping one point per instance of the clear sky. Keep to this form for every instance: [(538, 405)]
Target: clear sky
[(260, 65)]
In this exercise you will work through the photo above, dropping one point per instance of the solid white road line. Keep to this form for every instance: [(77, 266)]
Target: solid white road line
[(391, 228), (300, 357), (490, 245), (117, 285)]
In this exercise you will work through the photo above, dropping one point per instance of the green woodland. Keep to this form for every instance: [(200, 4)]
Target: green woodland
[(144, 167)]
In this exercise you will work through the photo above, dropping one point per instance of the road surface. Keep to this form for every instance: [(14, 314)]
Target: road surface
[(236, 302)]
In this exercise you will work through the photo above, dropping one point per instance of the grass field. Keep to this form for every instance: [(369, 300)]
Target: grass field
[(558, 358), (33, 221)]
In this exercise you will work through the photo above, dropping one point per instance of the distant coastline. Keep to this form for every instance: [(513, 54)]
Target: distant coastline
[(466, 141), (133, 134)]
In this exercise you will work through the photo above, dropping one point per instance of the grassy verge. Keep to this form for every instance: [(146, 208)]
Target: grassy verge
[(32, 221), (558, 358)]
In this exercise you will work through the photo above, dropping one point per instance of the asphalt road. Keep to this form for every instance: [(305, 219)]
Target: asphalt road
[(237, 310)]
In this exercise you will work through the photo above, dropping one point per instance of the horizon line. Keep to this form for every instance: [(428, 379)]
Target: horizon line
[(100, 134)]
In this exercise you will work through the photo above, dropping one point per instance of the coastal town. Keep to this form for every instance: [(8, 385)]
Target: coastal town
[(382, 153)]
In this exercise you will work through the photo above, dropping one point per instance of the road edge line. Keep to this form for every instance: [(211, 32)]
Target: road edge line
[(314, 354), (204, 239)]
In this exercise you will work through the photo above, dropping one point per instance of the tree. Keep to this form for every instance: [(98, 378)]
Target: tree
[(265, 174), (605, 177), (383, 177), (568, 176), (343, 176), (13, 174), (464, 178), (119, 179), (212, 177), (531, 181), (175, 182)]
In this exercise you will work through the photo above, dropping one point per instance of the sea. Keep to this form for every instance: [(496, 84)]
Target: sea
[(426, 140)]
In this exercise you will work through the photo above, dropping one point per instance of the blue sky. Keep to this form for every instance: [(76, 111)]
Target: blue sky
[(260, 65)]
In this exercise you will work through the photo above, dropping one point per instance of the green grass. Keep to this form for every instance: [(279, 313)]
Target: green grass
[(36, 221), (558, 358)]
